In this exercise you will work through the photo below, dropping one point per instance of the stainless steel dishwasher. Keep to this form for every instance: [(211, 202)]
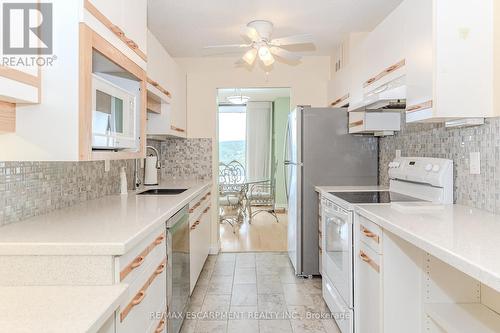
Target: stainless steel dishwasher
[(178, 287)]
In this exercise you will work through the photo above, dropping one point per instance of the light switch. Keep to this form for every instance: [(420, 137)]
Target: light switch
[(475, 163), (398, 153), (106, 165)]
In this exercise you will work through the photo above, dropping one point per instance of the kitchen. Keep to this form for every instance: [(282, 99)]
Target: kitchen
[(109, 168)]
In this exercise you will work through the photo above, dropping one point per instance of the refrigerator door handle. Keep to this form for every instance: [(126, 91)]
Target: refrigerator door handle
[(285, 156)]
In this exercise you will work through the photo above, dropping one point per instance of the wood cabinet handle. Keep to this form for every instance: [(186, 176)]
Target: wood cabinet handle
[(160, 327), (369, 261), (418, 107), (142, 293), (160, 239), (356, 123), (137, 262), (113, 28), (370, 234), (117, 31), (385, 72), (139, 297), (177, 129), (160, 269), (141, 257)]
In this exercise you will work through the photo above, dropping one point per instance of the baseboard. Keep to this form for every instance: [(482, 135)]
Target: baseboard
[(215, 249)]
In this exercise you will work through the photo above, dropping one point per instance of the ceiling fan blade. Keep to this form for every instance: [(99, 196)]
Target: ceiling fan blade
[(227, 46), (291, 40), (251, 33), (282, 53)]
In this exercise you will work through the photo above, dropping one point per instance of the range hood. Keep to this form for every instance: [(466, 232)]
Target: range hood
[(390, 96)]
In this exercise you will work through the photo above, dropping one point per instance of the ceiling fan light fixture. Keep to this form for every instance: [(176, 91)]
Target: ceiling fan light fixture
[(264, 52), (238, 99), (268, 61), (249, 56)]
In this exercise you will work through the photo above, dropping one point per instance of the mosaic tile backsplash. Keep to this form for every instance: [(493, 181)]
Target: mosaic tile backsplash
[(185, 158), (28, 189), (33, 188), (434, 140)]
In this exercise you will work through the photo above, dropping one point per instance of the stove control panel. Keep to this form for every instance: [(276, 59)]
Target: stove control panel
[(427, 170)]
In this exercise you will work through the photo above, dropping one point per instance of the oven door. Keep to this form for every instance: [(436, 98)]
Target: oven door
[(338, 250)]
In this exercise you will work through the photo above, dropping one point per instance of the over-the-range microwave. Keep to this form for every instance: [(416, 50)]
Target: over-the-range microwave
[(114, 116)]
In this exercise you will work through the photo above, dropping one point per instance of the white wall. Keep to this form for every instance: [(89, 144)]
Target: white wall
[(307, 82)]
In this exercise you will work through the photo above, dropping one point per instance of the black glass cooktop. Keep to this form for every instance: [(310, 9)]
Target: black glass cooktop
[(373, 197)]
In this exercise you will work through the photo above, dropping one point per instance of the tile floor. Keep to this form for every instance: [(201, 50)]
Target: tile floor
[(255, 292)]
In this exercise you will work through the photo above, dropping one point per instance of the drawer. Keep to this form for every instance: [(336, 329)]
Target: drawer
[(343, 314), (135, 315), (148, 252), (369, 233), (159, 324), (199, 239), (196, 205), (368, 290)]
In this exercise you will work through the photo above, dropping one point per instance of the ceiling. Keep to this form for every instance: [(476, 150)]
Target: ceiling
[(255, 94), (185, 27)]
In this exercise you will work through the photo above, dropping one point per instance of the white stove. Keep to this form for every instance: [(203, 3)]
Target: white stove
[(418, 180)]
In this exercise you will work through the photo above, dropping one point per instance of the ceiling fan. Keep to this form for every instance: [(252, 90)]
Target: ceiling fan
[(259, 33)]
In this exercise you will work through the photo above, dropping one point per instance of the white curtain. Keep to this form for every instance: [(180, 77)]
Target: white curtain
[(258, 140)]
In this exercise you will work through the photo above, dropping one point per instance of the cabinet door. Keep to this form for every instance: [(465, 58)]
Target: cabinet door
[(178, 120), (419, 54), (368, 299), (134, 21), (384, 46)]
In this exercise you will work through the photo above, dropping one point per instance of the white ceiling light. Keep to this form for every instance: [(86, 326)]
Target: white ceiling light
[(265, 56), (238, 99)]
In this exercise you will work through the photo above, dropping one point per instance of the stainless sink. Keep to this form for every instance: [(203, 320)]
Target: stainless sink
[(164, 191)]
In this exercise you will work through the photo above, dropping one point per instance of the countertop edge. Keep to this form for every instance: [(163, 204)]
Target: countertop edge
[(466, 266), (101, 248)]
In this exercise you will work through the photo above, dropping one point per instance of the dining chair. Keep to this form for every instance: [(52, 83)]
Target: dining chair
[(263, 196), (231, 194)]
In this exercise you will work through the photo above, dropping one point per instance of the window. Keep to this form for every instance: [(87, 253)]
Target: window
[(232, 133)]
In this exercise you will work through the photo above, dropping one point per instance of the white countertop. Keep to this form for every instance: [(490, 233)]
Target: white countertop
[(110, 225), (54, 309), (463, 237)]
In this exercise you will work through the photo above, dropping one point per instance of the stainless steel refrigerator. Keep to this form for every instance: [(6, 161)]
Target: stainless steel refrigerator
[(320, 152)]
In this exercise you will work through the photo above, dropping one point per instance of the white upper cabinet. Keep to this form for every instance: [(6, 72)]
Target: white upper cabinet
[(451, 56), (122, 22), (345, 61), (90, 37), (168, 82)]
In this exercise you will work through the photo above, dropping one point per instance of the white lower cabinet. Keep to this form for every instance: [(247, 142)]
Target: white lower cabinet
[(136, 314), (199, 235), (368, 290)]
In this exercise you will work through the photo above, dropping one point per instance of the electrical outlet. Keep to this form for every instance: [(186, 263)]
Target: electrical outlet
[(475, 163), (107, 165)]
